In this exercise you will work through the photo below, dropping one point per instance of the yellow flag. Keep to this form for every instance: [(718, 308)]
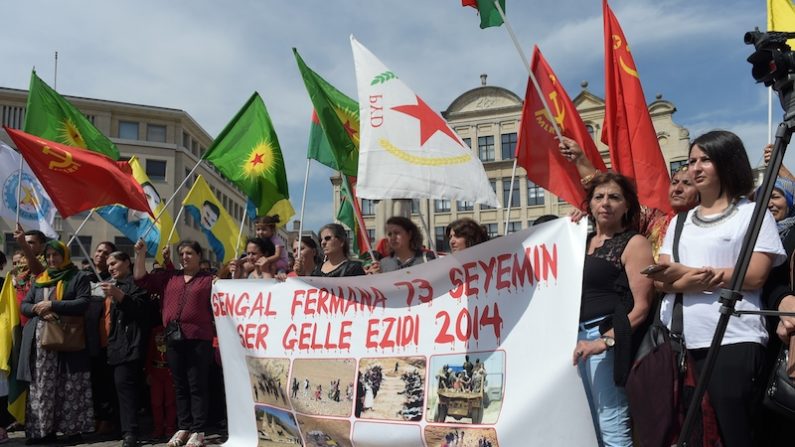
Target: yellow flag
[(134, 224), (215, 222), (781, 17), (11, 335), (9, 319)]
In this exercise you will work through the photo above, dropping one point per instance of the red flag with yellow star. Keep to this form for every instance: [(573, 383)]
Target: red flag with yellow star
[(76, 179), (537, 148), (627, 129), (247, 153)]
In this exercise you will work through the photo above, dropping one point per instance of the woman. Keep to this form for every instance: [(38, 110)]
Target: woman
[(405, 245), (708, 249), (189, 331), (334, 243), (126, 337), (615, 301), (257, 252), (307, 256), (59, 399), (682, 195), (464, 233)]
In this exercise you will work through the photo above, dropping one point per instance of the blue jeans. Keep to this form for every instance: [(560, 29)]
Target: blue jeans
[(608, 402)]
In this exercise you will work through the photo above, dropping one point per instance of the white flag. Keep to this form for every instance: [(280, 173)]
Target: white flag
[(36, 210), (406, 149)]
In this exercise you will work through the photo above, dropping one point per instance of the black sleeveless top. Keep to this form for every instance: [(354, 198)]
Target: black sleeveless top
[(602, 269)]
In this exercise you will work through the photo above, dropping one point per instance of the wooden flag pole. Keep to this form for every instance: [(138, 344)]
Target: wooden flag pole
[(240, 231), (510, 197), (303, 203), (431, 242), (357, 212)]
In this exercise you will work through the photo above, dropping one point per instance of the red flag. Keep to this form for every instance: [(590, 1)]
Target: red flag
[(537, 149), (627, 129), (77, 179)]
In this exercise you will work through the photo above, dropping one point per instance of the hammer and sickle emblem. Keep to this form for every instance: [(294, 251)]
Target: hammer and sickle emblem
[(560, 113), (63, 160)]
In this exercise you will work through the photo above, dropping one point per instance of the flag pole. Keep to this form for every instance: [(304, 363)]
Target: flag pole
[(240, 231), (431, 242), (19, 184), (170, 199), (510, 197), (80, 227), (80, 244), (529, 70), (303, 203), (174, 226), (357, 211), (537, 87)]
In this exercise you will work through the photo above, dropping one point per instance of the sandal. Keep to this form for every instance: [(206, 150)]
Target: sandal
[(196, 440), (179, 438)]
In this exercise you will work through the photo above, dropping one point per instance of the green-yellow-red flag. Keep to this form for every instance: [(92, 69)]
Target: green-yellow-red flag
[(215, 222), (489, 15), (247, 153), (781, 17), (338, 116), (50, 116), (10, 342)]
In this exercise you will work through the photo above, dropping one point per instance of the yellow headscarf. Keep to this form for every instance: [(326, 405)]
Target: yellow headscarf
[(61, 274)]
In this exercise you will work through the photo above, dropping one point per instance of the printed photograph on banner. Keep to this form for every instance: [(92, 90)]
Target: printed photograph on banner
[(375, 434), (275, 427), (320, 432), (466, 388), (444, 436), (390, 388), (323, 387), (269, 380)]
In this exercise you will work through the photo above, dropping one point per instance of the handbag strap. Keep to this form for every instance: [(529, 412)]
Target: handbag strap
[(677, 323)]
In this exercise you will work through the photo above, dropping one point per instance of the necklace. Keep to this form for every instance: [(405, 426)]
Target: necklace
[(706, 222)]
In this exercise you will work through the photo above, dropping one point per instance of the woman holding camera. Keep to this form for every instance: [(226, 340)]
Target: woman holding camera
[(188, 320)]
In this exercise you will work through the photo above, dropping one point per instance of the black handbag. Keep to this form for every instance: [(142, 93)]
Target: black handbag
[(780, 391), (173, 332)]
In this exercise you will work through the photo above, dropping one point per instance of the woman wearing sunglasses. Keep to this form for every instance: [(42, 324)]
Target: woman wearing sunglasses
[(335, 248)]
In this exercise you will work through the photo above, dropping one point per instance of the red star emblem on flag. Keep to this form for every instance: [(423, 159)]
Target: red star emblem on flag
[(430, 121)]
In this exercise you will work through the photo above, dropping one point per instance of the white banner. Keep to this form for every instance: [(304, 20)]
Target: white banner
[(473, 349)]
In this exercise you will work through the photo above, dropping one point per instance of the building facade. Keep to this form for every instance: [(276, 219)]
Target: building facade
[(168, 143), (487, 118)]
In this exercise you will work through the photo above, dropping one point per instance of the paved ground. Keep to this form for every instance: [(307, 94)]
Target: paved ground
[(18, 439)]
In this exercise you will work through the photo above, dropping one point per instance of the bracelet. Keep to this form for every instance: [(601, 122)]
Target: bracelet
[(587, 179)]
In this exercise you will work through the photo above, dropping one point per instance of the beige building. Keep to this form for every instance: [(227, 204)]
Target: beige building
[(168, 143), (487, 118)]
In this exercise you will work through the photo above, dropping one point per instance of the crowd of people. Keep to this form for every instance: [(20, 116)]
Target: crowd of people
[(155, 327)]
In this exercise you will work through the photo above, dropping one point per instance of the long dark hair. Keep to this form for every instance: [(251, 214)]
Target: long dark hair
[(730, 160), (415, 238), (631, 219), (472, 232)]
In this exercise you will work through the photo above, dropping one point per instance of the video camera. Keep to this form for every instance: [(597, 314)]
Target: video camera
[(773, 63)]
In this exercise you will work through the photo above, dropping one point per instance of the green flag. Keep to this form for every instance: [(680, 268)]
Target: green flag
[(347, 216), (50, 116), (338, 115), (489, 15), (247, 153)]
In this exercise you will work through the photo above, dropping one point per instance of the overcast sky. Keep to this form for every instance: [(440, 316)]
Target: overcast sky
[(207, 57)]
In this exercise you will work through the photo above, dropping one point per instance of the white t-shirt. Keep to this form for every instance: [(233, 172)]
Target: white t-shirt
[(719, 246)]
